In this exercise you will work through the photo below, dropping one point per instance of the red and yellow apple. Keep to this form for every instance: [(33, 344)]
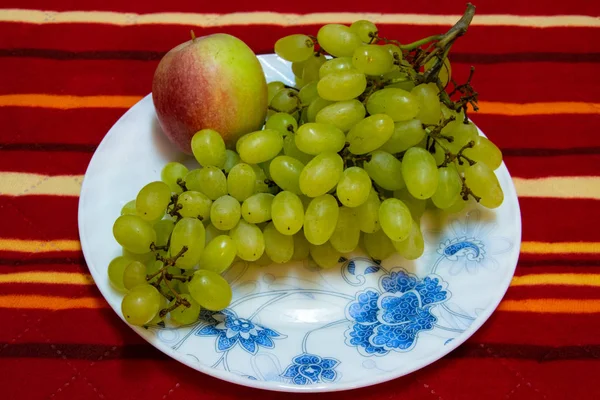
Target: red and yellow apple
[(213, 82)]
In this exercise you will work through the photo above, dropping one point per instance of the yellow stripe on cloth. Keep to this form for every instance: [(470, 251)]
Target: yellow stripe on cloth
[(557, 279), (564, 187), (285, 19), (560, 247), (22, 184), (561, 187), (561, 306), (50, 302), (39, 246), (545, 108), (53, 278)]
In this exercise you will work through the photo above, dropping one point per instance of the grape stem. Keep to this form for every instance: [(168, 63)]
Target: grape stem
[(180, 299), (181, 184), (419, 43)]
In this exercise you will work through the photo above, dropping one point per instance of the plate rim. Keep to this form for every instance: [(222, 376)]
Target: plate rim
[(510, 192)]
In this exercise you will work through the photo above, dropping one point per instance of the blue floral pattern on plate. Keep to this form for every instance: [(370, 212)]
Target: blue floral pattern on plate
[(231, 330), (309, 368), (391, 318)]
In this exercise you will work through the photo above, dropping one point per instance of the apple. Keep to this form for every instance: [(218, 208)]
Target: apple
[(213, 82)]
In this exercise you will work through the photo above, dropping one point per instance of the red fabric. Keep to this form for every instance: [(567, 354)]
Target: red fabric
[(91, 353)]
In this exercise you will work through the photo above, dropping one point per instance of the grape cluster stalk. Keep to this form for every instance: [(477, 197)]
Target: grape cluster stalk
[(373, 133)]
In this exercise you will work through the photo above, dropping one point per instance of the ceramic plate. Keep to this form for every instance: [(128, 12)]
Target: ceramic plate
[(296, 327)]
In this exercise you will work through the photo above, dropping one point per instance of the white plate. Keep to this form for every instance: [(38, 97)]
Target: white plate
[(296, 327)]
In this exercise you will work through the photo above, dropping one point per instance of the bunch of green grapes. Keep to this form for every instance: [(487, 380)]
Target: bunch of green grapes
[(349, 159)]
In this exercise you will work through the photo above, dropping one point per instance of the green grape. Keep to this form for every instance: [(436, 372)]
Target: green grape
[(320, 219), (346, 234), (305, 200), (457, 207), (406, 135), (413, 246), (212, 232), (171, 173), (297, 68), (385, 170), (483, 182), (445, 72), (340, 86), (241, 182), (394, 51), (185, 315), (225, 213), (377, 245), (399, 80), (257, 208), (134, 234), (283, 123), (194, 205), (367, 214), (218, 254), (461, 133), (301, 247), (336, 65), (372, 59), (416, 206), (366, 30), (484, 151), (285, 100), (420, 174), (338, 40), (290, 150), (163, 304), (231, 160), (259, 183), (151, 202), (315, 138), (308, 93), (287, 213), (208, 180), (325, 255), (310, 72), (395, 219), (116, 269), (314, 107), (279, 247), (343, 114), (134, 275), (188, 232), (163, 229), (272, 89), (142, 257), (285, 172), (248, 240), (210, 290), (129, 208), (397, 103), (259, 146), (321, 174), (141, 305), (209, 148), (354, 187), (448, 189), (295, 47), (429, 103), (370, 133)]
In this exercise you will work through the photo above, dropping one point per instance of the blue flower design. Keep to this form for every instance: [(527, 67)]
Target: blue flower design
[(307, 369), (230, 329), (392, 317)]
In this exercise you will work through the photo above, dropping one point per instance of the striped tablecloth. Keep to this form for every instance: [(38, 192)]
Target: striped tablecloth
[(69, 69)]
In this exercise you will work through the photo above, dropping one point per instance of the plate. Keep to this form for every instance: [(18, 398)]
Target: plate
[(296, 327)]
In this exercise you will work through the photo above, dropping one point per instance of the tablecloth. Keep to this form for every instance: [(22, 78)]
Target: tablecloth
[(69, 69)]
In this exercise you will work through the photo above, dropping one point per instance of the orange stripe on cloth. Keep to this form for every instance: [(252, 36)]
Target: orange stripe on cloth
[(559, 306), (556, 279), (39, 246), (560, 247), (50, 302), (65, 102), (53, 278)]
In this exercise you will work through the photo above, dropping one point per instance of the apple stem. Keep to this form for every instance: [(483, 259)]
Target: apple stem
[(193, 35)]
